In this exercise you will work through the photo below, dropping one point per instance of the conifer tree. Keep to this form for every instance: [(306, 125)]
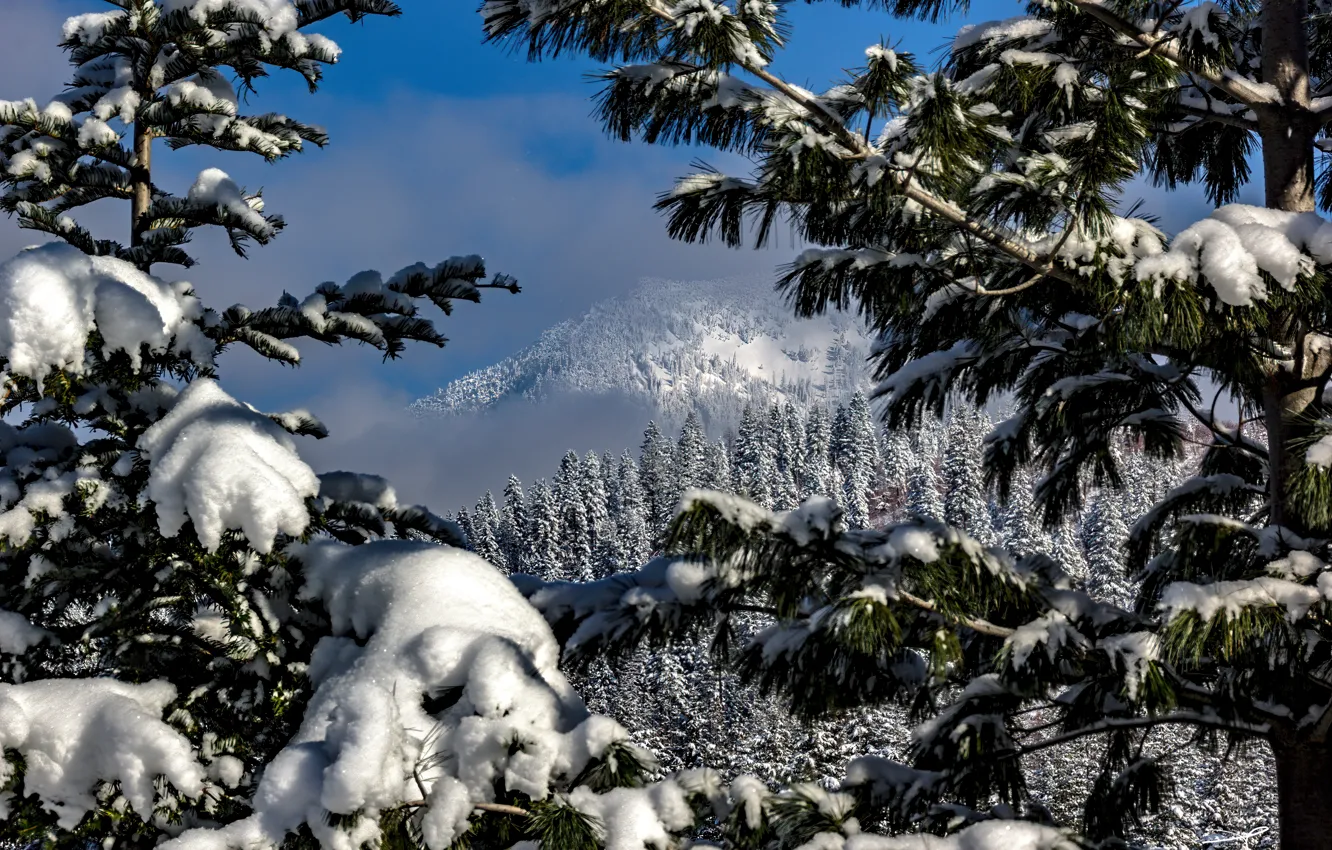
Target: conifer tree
[(575, 536), (784, 493), (485, 538), (965, 503), (718, 473), (753, 465), (1104, 538), (818, 472), (601, 528), (1022, 533), (464, 520), (791, 446), (980, 214), (544, 533), (631, 515), (690, 455), (513, 526), (898, 459), (923, 499), (657, 477)]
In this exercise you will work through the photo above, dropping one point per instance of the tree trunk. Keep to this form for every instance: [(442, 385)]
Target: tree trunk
[(141, 180), (1287, 130), (1304, 788)]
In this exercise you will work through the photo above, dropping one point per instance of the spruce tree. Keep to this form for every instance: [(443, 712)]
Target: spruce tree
[(690, 455), (543, 538), (658, 478), (718, 473), (818, 473), (791, 446), (513, 526), (1022, 534), (601, 528), (784, 489), (1104, 536), (965, 503), (923, 499), (575, 534), (485, 532), (753, 468), (979, 213), (631, 516)]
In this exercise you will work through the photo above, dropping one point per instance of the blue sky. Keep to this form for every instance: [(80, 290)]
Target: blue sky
[(443, 145)]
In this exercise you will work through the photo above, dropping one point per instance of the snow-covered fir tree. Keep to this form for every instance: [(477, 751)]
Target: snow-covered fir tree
[(657, 474), (965, 501), (785, 494), (923, 499), (855, 451), (690, 456), (753, 468), (542, 541), (817, 470), (600, 528), (1104, 536), (631, 515), (513, 527), (575, 528), (717, 471), (484, 533)]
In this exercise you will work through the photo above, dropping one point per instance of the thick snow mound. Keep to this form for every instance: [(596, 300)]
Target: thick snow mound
[(1229, 248), (75, 733), (53, 296), (223, 465), (414, 624)]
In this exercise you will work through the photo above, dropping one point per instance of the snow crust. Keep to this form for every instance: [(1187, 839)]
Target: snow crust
[(53, 296), (75, 733), (223, 465), (412, 620)]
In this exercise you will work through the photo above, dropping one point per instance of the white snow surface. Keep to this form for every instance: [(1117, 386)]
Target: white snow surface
[(413, 619), (223, 465), (1229, 248), (54, 295), (77, 732)]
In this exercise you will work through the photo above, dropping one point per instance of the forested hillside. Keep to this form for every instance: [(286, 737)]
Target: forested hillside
[(605, 513)]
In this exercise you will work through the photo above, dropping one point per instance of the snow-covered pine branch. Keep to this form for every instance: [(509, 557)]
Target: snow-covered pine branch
[(158, 70)]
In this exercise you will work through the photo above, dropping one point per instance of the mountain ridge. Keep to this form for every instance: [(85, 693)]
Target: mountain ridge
[(713, 346)]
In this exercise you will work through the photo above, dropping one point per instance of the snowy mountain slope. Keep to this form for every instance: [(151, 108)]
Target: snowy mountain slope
[(677, 346)]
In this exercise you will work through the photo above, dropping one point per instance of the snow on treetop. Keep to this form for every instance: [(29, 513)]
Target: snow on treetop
[(1227, 250), (53, 296), (279, 18), (224, 465), (412, 620)]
